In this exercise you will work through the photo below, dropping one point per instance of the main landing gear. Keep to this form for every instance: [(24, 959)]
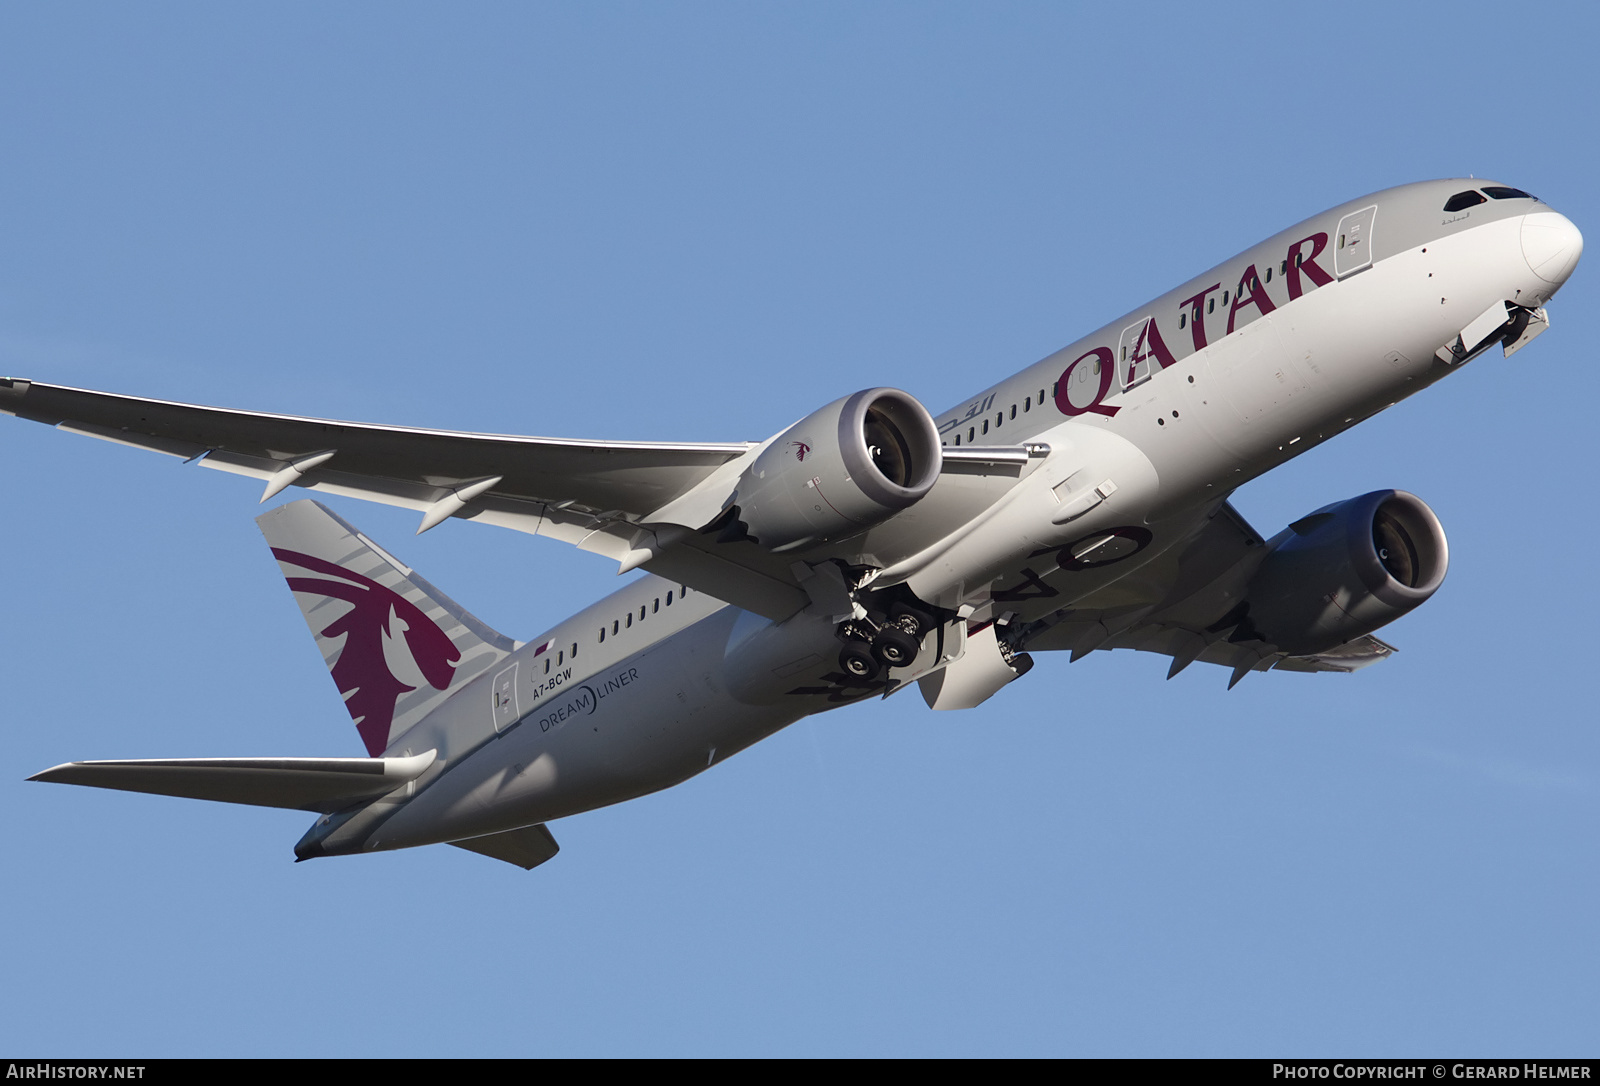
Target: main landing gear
[(883, 640)]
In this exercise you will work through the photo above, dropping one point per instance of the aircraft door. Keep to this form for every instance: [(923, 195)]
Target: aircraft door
[(1352, 250), (505, 699), (1136, 364)]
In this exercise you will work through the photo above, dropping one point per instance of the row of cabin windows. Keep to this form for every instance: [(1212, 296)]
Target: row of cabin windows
[(1252, 285), (626, 622), (974, 430), (561, 657), (1000, 416), (1183, 322)]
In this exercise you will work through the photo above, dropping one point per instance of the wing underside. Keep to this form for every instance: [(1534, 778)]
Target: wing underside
[(1193, 614)]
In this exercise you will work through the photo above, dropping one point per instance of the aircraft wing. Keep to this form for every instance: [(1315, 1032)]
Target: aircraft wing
[(588, 493), (1186, 646), (639, 503), (1189, 612), (397, 465)]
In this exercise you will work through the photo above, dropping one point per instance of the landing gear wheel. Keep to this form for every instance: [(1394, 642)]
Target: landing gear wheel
[(858, 662), (895, 647), (914, 621)]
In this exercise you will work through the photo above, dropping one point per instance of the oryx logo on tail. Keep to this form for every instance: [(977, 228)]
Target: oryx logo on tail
[(391, 647)]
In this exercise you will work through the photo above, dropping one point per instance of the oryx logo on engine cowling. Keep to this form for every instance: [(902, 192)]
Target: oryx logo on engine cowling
[(390, 648)]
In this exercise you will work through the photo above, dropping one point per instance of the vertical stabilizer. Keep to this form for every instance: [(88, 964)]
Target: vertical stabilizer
[(395, 645)]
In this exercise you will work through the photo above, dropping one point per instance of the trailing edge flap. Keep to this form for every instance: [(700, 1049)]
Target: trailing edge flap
[(527, 848), (305, 784), (1353, 655)]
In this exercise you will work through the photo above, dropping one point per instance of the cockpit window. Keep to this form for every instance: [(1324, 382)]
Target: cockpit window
[(1463, 200), (1504, 192)]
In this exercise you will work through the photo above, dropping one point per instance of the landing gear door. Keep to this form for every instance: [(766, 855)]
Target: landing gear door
[(505, 699), (1352, 250), (940, 646)]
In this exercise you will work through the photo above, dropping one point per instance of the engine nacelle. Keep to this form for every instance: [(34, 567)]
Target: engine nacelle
[(840, 470), (1347, 569)]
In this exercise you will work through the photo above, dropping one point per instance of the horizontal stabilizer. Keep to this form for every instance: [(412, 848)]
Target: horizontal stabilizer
[(304, 784), (527, 848)]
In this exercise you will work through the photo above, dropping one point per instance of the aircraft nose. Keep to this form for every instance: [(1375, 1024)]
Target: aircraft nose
[(1551, 245)]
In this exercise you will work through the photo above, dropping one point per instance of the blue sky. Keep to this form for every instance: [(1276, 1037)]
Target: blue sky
[(702, 221)]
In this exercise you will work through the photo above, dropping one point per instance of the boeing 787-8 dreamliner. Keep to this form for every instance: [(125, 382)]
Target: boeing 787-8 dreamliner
[(1080, 504)]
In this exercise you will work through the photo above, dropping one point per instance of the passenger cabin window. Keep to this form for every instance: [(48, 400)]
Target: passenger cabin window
[(1505, 192), (1463, 200)]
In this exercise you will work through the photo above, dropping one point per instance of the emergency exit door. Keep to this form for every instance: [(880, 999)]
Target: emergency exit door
[(1352, 250)]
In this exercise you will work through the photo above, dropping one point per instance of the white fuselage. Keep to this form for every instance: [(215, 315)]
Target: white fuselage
[(655, 684)]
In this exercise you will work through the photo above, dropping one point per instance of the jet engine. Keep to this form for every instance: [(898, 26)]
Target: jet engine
[(838, 471), (1345, 570)]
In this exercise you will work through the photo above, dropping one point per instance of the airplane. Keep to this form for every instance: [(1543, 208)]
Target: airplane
[(1079, 505)]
